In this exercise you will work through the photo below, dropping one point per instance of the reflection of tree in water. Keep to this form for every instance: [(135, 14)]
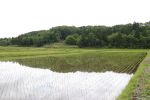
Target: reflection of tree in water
[(88, 62)]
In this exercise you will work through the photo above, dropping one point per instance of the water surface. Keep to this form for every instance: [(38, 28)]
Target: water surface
[(19, 82)]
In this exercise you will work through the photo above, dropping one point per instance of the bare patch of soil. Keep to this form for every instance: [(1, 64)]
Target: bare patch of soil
[(147, 70), (148, 61)]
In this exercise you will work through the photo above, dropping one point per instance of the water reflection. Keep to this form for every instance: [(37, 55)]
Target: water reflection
[(99, 62), (25, 83)]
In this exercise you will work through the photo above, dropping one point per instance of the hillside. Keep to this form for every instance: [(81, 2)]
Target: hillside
[(136, 36)]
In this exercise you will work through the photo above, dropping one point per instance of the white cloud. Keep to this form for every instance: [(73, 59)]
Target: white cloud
[(21, 16)]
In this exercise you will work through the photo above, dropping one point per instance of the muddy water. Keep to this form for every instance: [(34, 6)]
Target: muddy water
[(19, 82)]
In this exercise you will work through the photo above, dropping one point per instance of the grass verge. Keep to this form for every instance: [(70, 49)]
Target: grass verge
[(139, 85)]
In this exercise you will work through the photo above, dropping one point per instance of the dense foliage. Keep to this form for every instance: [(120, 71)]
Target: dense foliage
[(136, 35)]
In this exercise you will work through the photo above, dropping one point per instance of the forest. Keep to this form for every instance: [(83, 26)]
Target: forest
[(134, 36)]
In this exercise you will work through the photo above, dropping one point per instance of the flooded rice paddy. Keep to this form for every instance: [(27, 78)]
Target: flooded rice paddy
[(92, 77), (24, 83)]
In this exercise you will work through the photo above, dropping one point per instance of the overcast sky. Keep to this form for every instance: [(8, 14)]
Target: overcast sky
[(22, 16)]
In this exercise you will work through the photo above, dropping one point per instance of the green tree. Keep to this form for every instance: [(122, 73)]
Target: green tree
[(148, 42), (91, 39), (135, 26), (137, 34), (142, 42), (3, 43), (70, 40), (112, 39), (75, 35), (78, 40), (38, 41), (144, 33), (121, 41), (12, 40)]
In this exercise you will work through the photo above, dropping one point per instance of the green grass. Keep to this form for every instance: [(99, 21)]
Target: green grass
[(7, 53)]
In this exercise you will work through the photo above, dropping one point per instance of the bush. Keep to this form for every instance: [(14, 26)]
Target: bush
[(70, 40)]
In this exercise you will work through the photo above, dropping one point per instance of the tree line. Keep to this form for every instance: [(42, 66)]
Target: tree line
[(135, 35)]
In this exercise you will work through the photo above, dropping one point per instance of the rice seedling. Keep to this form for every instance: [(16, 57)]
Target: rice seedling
[(91, 62)]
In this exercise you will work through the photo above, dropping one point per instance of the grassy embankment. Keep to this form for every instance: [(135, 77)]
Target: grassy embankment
[(138, 85)]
